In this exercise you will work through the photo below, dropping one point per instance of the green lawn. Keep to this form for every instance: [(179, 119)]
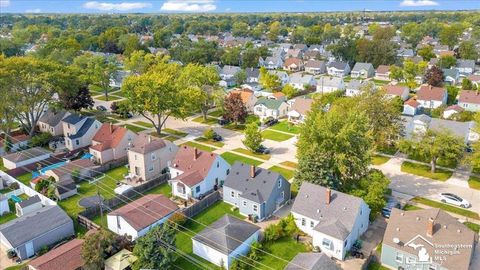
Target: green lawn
[(376, 266), (143, 124), (452, 164), (379, 160), (16, 267), (164, 189), (10, 216), (2, 168), (235, 127), (170, 138), (232, 157), (210, 120), (175, 132), (110, 98), (216, 113), (286, 248), (25, 178), (290, 164), (250, 153), (473, 226), (214, 143), (200, 146), (447, 207), (424, 170), (205, 218), (474, 182), (286, 126), (275, 136), (288, 174), (134, 128), (409, 207)]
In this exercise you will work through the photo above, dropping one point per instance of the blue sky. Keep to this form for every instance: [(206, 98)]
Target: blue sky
[(196, 6)]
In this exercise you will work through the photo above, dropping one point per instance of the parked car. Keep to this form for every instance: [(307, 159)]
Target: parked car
[(263, 150), (223, 122), (270, 122), (217, 137), (391, 203), (101, 108), (454, 199)]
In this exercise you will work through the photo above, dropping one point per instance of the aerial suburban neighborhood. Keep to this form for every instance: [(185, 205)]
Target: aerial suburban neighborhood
[(242, 135)]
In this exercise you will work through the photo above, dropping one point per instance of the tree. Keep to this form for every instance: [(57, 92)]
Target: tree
[(274, 31), (201, 84), (76, 101), (240, 77), (334, 147), (234, 108), (372, 189), (434, 145), (156, 94), (156, 249), (452, 94), (269, 81), (434, 76), (467, 50), (467, 84), (426, 53), (139, 62), (447, 61), (289, 91), (253, 137), (450, 33), (41, 139), (396, 73), (95, 249), (475, 157)]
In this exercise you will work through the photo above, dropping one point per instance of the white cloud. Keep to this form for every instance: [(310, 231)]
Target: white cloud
[(35, 10), (115, 6), (4, 3), (189, 5), (418, 3)]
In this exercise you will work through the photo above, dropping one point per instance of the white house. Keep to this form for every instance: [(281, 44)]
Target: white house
[(51, 122), (397, 91), (25, 157), (224, 240), (451, 110), (282, 75), (300, 80), (138, 217), (195, 172), (333, 219), (79, 131), (469, 100), (4, 208), (27, 206), (362, 70), (299, 109), (326, 84), (432, 97), (268, 107), (411, 107), (338, 69), (355, 87)]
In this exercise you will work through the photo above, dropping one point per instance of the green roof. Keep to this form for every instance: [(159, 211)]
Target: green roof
[(270, 103)]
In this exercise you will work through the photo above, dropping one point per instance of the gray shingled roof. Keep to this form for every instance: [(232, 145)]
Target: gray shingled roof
[(73, 119), (226, 234), (462, 63), (32, 200), (26, 154), (336, 218), (257, 189), (312, 261), (52, 118), (360, 66), (338, 65), (34, 224)]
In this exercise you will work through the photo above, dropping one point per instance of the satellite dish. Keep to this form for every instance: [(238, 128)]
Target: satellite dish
[(396, 240)]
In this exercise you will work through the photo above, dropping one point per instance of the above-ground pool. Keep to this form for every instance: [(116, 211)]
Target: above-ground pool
[(42, 171), (15, 199)]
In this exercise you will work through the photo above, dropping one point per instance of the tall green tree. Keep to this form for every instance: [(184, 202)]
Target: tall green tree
[(269, 81), (372, 189), (95, 249), (156, 249), (253, 137), (467, 50)]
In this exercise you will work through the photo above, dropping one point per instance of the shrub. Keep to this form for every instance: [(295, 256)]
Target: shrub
[(209, 134), (42, 250), (41, 139), (178, 218), (273, 232), (14, 186)]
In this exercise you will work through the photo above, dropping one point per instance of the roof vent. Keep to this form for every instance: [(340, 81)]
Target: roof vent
[(398, 229), (459, 231), (306, 195), (418, 218), (396, 240), (402, 214), (345, 208), (444, 226), (318, 210)]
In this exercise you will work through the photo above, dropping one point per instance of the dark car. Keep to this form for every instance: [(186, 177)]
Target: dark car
[(223, 122), (391, 203), (264, 150), (270, 122), (101, 108), (217, 137)]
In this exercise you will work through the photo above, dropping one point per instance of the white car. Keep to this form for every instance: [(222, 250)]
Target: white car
[(454, 199)]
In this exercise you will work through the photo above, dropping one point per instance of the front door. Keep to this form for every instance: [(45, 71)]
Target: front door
[(29, 249)]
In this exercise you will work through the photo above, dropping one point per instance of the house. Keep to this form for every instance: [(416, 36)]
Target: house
[(79, 131), (282, 76), (79, 169), (257, 192), (419, 124), (4, 207), (149, 156), (224, 240), (266, 107), (312, 261), (451, 110), (293, 64), (397, 91), (315, 67), (451, 76), (117, 78), (333, 219), (445, 53), (383, 73), (330, 84), (362, 70), (338, 69), (65, 257), (140, 216), (25, 157), (299, 109), (27, 206), (405, 53), (469, 100), (294, 53), (411, 107), (228, 72), (465, 67), (475, 80), (311, 55), (432, 97), (51, 122), (111, 143), (253, 75), (427, 239), (273, 62), (301, 47), (300, 80), (122, 260), (195, 173), (247, 96), (17, 143), (356, 87), (51, 225)]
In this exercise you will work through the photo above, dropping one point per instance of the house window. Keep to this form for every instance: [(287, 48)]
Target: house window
[(361, 211), (218, 164), (255, 208), (311, 224), (232, 194), (345, 244), (399, 258), (135, 157), (154, 157), (118, 223), (197, 189), (244, 203), (150, 168), (304, 222), (411, 260), (326, 243), (77, 142), (279, 183), (228, 171)]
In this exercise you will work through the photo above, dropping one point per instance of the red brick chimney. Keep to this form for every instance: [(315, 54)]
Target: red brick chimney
[(252, 171), (430, 225), (111, 128), (328, 196), (195, 153)]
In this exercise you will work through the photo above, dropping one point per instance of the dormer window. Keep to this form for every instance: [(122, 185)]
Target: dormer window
[(153, 156)]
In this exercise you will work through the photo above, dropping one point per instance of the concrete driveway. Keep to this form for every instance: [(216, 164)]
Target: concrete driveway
[(4, 260)]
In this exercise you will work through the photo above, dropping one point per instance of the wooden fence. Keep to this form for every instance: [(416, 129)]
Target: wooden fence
[(202, 204)]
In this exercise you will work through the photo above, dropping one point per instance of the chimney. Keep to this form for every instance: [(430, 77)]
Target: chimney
[(149, 138), (195, 153), (430, 226), (328, 196), (111, 128), (252, 171)]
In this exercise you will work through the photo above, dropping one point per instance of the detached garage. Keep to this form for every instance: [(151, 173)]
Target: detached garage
[(25, 157), (224, 240)]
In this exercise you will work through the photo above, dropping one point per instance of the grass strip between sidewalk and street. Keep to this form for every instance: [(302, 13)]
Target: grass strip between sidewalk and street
[(250, 153), (447, 207), (424, 171)]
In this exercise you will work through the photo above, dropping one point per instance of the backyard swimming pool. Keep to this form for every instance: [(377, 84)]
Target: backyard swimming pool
[(42, 171)]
